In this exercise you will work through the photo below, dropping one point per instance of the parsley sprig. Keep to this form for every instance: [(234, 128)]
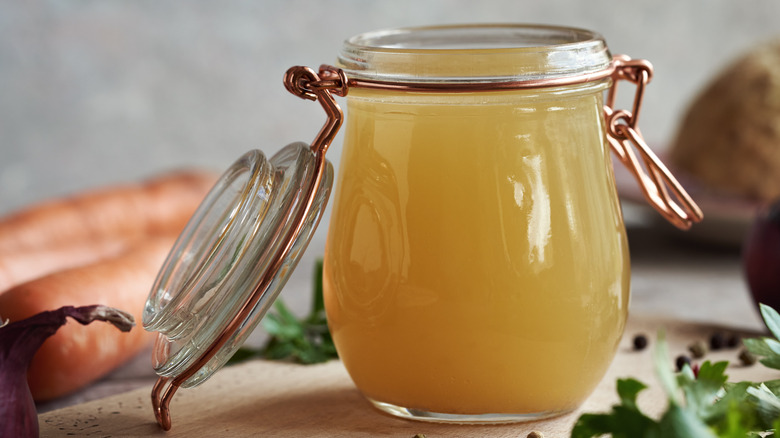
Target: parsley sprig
[(699, 406), (306, 340)]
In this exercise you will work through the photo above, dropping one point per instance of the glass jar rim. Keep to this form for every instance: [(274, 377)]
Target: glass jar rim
[(474, 53)]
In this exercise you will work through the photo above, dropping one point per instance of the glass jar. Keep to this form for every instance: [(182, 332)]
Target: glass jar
[(476, 266)]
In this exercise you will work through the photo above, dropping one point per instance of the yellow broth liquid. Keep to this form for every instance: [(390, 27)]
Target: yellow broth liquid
[(477, 260)]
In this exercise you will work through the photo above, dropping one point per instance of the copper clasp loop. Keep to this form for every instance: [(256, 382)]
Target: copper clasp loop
[(162, 394), (655, 180), (637, 71), (306, 84)]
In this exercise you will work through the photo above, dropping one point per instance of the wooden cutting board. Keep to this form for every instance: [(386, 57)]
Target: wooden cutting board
[(273, 399)]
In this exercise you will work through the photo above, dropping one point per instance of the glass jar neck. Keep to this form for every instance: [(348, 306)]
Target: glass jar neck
[(474, 53)]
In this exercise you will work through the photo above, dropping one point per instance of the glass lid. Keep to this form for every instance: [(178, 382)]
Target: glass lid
[(233, 258)]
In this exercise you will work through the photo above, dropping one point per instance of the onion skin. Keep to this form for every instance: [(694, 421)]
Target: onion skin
[(761, 257), (18, 343)]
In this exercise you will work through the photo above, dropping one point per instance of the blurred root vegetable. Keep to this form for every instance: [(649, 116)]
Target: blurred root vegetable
[(761, 256), (159, 205), (83, 228)]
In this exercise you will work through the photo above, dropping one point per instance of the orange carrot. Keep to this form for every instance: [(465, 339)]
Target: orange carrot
[(158, 206), (27, 264), (77, 355)]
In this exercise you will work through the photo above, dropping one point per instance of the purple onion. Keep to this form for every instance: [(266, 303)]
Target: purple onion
[(19, 341)]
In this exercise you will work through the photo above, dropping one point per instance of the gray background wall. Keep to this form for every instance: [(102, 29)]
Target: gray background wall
[(95, 92)]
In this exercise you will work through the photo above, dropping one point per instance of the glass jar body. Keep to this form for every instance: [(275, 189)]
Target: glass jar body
[(476, 266)]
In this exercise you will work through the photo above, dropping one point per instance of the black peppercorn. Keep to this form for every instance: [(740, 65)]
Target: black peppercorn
[(681, 361), (640, 342), (698, 349), (747, 358), (716, 341)]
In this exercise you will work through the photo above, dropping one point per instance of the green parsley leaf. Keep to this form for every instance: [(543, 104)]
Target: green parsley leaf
[(701, 391), (771, 319), (305, 341), (625, 420), (664, 371), (699, 406), (680, 422)]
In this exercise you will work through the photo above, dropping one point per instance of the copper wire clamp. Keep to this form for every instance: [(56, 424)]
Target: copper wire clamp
[(305, 83), (660, 188), (654, 178)]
